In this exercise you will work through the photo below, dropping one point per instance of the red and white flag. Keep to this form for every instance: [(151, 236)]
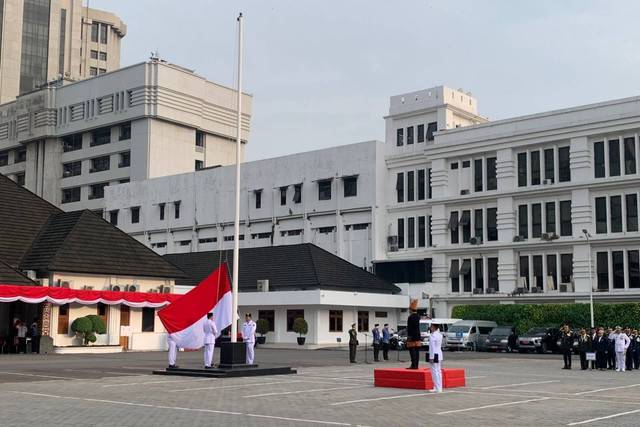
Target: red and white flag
[(184, 318)]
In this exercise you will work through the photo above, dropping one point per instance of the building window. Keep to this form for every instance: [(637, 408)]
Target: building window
[(125, 159), (454, 275), (549, 165), (631, 201), (420, 133), (4, 158), (94, 31), (566, 268), (478, 224), (421, 184), (100, 137), (176, 209), (351, 186), (479, 282), (536, 220), (125, 131), (465, 272), (199, 165), (629, 156), (161, 207), (524, 272), (601, 215), (400, 233), (70, 195), (102, 70), (270, 317), (258, 194), (96, 191), (537, 271), (113, 217), (564, 164), (102, 56), (63, 319), (431, 129), (148, 319), (93, 71), (614, 157), (565, 218), (615, 204), (429, 193), (400, 137), (535, 168), (454, 166), (381, 314), (522, 169), (207, 240), (466, 164), (94, 54), (324, 190), (617, 263), (135, 215), (400, 187), (71, 169), (422, 231), (411, 232), (21, 155), (453, 226), (293, 315), (492, 273), (633, 268), (550, 217), (465, 223), (363, 321), (492, 224), (283, 196), (523, 221), (429, 235), (598, 160), (199, 139), (492, 174), (100, 164), (411, 186), (552, 271), (72, 142), (103, 33), (410, 135), (335, 320), (477, 172), (20, 178), (103, 312), (297, 193)]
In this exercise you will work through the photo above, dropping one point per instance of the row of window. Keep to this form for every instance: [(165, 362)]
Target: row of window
[(336, 318), (621, 212), (544, 219), (483, 222), (99, 32), (618, 269), (102, 56), (94, 71), (431, 129), (96, 191), (96, 106), (98, 137), (350, 189), (420, 181), (546, 166), (474, 274), (541, 271), (19, 156), (98, 164), (423, 232), (135, 213), (485, 176), (607, 157)]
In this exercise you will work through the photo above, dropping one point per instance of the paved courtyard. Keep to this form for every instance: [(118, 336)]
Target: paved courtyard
[(118, 390)]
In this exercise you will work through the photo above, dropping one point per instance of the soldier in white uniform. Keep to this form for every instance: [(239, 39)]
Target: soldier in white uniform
[(249, 336), (622, 343), (210, 333), (435, 358), (173, 351)]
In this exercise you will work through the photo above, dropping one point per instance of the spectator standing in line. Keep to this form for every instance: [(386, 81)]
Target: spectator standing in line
[(353, 343), (566, 344), (22, 337), (377, 340), (636, 354), (601, 346), (386, 337), (611, 350), (631, 350), (584, 346), (593, 334), (34, 331), (622, 343)]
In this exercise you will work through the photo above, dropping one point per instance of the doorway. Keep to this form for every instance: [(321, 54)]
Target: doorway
[(125, 312)]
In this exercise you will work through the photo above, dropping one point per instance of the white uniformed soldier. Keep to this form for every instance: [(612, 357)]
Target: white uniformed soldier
[(210, 333), (249, 336), (622, 342), (435, 358), (173, 351)]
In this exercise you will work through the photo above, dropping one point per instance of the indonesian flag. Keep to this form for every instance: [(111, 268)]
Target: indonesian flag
[(184, 318)]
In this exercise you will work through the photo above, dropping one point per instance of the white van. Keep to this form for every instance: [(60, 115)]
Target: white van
[(467, 333), (426, 322)]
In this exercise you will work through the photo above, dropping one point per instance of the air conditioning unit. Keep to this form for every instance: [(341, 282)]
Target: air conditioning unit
[(477, 291), (262, 285), (491, 291), (547, 181), (88, 288), (475, 240), (166, 290), (536, 290), (521, 290), (117, 288), (518, 239), (42, 282), (545, 236), (65, 284), (464, 192), (31, 274), (393, 243), (564, 287), (132, 288)]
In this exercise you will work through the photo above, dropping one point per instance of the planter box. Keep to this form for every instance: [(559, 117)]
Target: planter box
[(90, 349)]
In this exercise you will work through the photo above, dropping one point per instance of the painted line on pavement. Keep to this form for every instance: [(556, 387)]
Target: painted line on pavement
[(402, 396), (298, 419), (158, 382), (603, 418), (237, 386), (305, 391), (605, 389), (38, 375), (496, 405), (102, 372), (519, 384)]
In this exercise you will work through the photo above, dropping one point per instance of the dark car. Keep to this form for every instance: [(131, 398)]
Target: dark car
[(502, 338), (541, 340)]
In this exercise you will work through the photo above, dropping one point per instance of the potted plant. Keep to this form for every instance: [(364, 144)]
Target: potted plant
[(87, 327), (300, 326), (262, 327)]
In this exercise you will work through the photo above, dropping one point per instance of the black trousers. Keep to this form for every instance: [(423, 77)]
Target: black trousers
[(566, 355), (611, 359), (352, 352), (385, 350), (583, 360), (629, 360), (601, 360), (636, 359), (22, 345), (35, 344), (376, 351), (414, 352)]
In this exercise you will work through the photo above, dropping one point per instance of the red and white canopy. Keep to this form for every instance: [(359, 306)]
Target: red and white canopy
[(58, 296)]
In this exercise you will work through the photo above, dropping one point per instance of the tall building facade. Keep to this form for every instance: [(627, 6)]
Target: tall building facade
[(148, 120), (46, 40)]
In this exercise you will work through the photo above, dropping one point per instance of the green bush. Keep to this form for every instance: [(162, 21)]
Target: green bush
[(87, 327), (262, 326), (576, 315), (98, 324), (300, 326), (82, 325)]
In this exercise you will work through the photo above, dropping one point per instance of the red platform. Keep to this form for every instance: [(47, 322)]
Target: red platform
[(419, 379)]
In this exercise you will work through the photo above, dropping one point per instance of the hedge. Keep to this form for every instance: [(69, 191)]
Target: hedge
[(527, 316)]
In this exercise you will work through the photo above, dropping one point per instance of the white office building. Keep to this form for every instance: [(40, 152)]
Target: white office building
[(148, 120)]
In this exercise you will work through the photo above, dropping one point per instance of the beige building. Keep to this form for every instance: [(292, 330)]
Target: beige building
[(47, 40)]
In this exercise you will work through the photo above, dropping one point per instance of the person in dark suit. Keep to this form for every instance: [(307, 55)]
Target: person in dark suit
[(593, 334), (611, 349), (601, 347), (566, 345), (377, 341), (631, 350), (353, 343), (584, 346), (386, 339), (636, 354), (414, 342)]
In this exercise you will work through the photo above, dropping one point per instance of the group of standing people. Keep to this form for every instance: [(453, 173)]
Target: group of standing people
[(23, 332), (617, 348), (381, 341)]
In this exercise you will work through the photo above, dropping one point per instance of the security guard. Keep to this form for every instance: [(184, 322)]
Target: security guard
[(249, 336), (210, 333), (566, 344)]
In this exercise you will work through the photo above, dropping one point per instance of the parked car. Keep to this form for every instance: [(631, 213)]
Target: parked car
[(444, 323), (541, 340), (502, 338), (398, 340), (466, 334)]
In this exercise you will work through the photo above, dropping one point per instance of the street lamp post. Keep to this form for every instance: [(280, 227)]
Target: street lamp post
[(587, 235)]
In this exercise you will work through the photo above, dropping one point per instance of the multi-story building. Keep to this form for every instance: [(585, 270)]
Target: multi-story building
[(46, 40), (67, 143), (333, 198)]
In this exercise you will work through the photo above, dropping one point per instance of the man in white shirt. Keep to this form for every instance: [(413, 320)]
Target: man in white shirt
[(435, 358), (210, 333), (622, 343), (249, 336)]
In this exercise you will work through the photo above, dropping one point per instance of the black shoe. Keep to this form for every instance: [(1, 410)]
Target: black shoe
[(568, 367), (209, 367), (376, 360), (173, 366), (353, 361), (411, 367)]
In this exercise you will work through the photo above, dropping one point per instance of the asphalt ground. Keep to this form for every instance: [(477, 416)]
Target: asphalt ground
[(119, 390)]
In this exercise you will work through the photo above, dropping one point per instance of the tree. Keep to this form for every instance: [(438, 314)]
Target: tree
[(262, 326), (300, 326), (87, 327)]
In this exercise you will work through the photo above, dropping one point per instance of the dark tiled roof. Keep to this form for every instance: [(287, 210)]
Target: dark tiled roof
[(10, 276), (291, 267), (83, 242), (22, 215)]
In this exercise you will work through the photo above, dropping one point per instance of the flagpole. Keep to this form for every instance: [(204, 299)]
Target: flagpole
[(236, 224)]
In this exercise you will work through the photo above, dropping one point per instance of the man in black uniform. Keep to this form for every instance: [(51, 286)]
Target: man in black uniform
[(566, 344), (413, 335), (353, 343)]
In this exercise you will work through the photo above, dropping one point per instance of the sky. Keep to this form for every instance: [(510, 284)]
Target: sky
[(321, 72)]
